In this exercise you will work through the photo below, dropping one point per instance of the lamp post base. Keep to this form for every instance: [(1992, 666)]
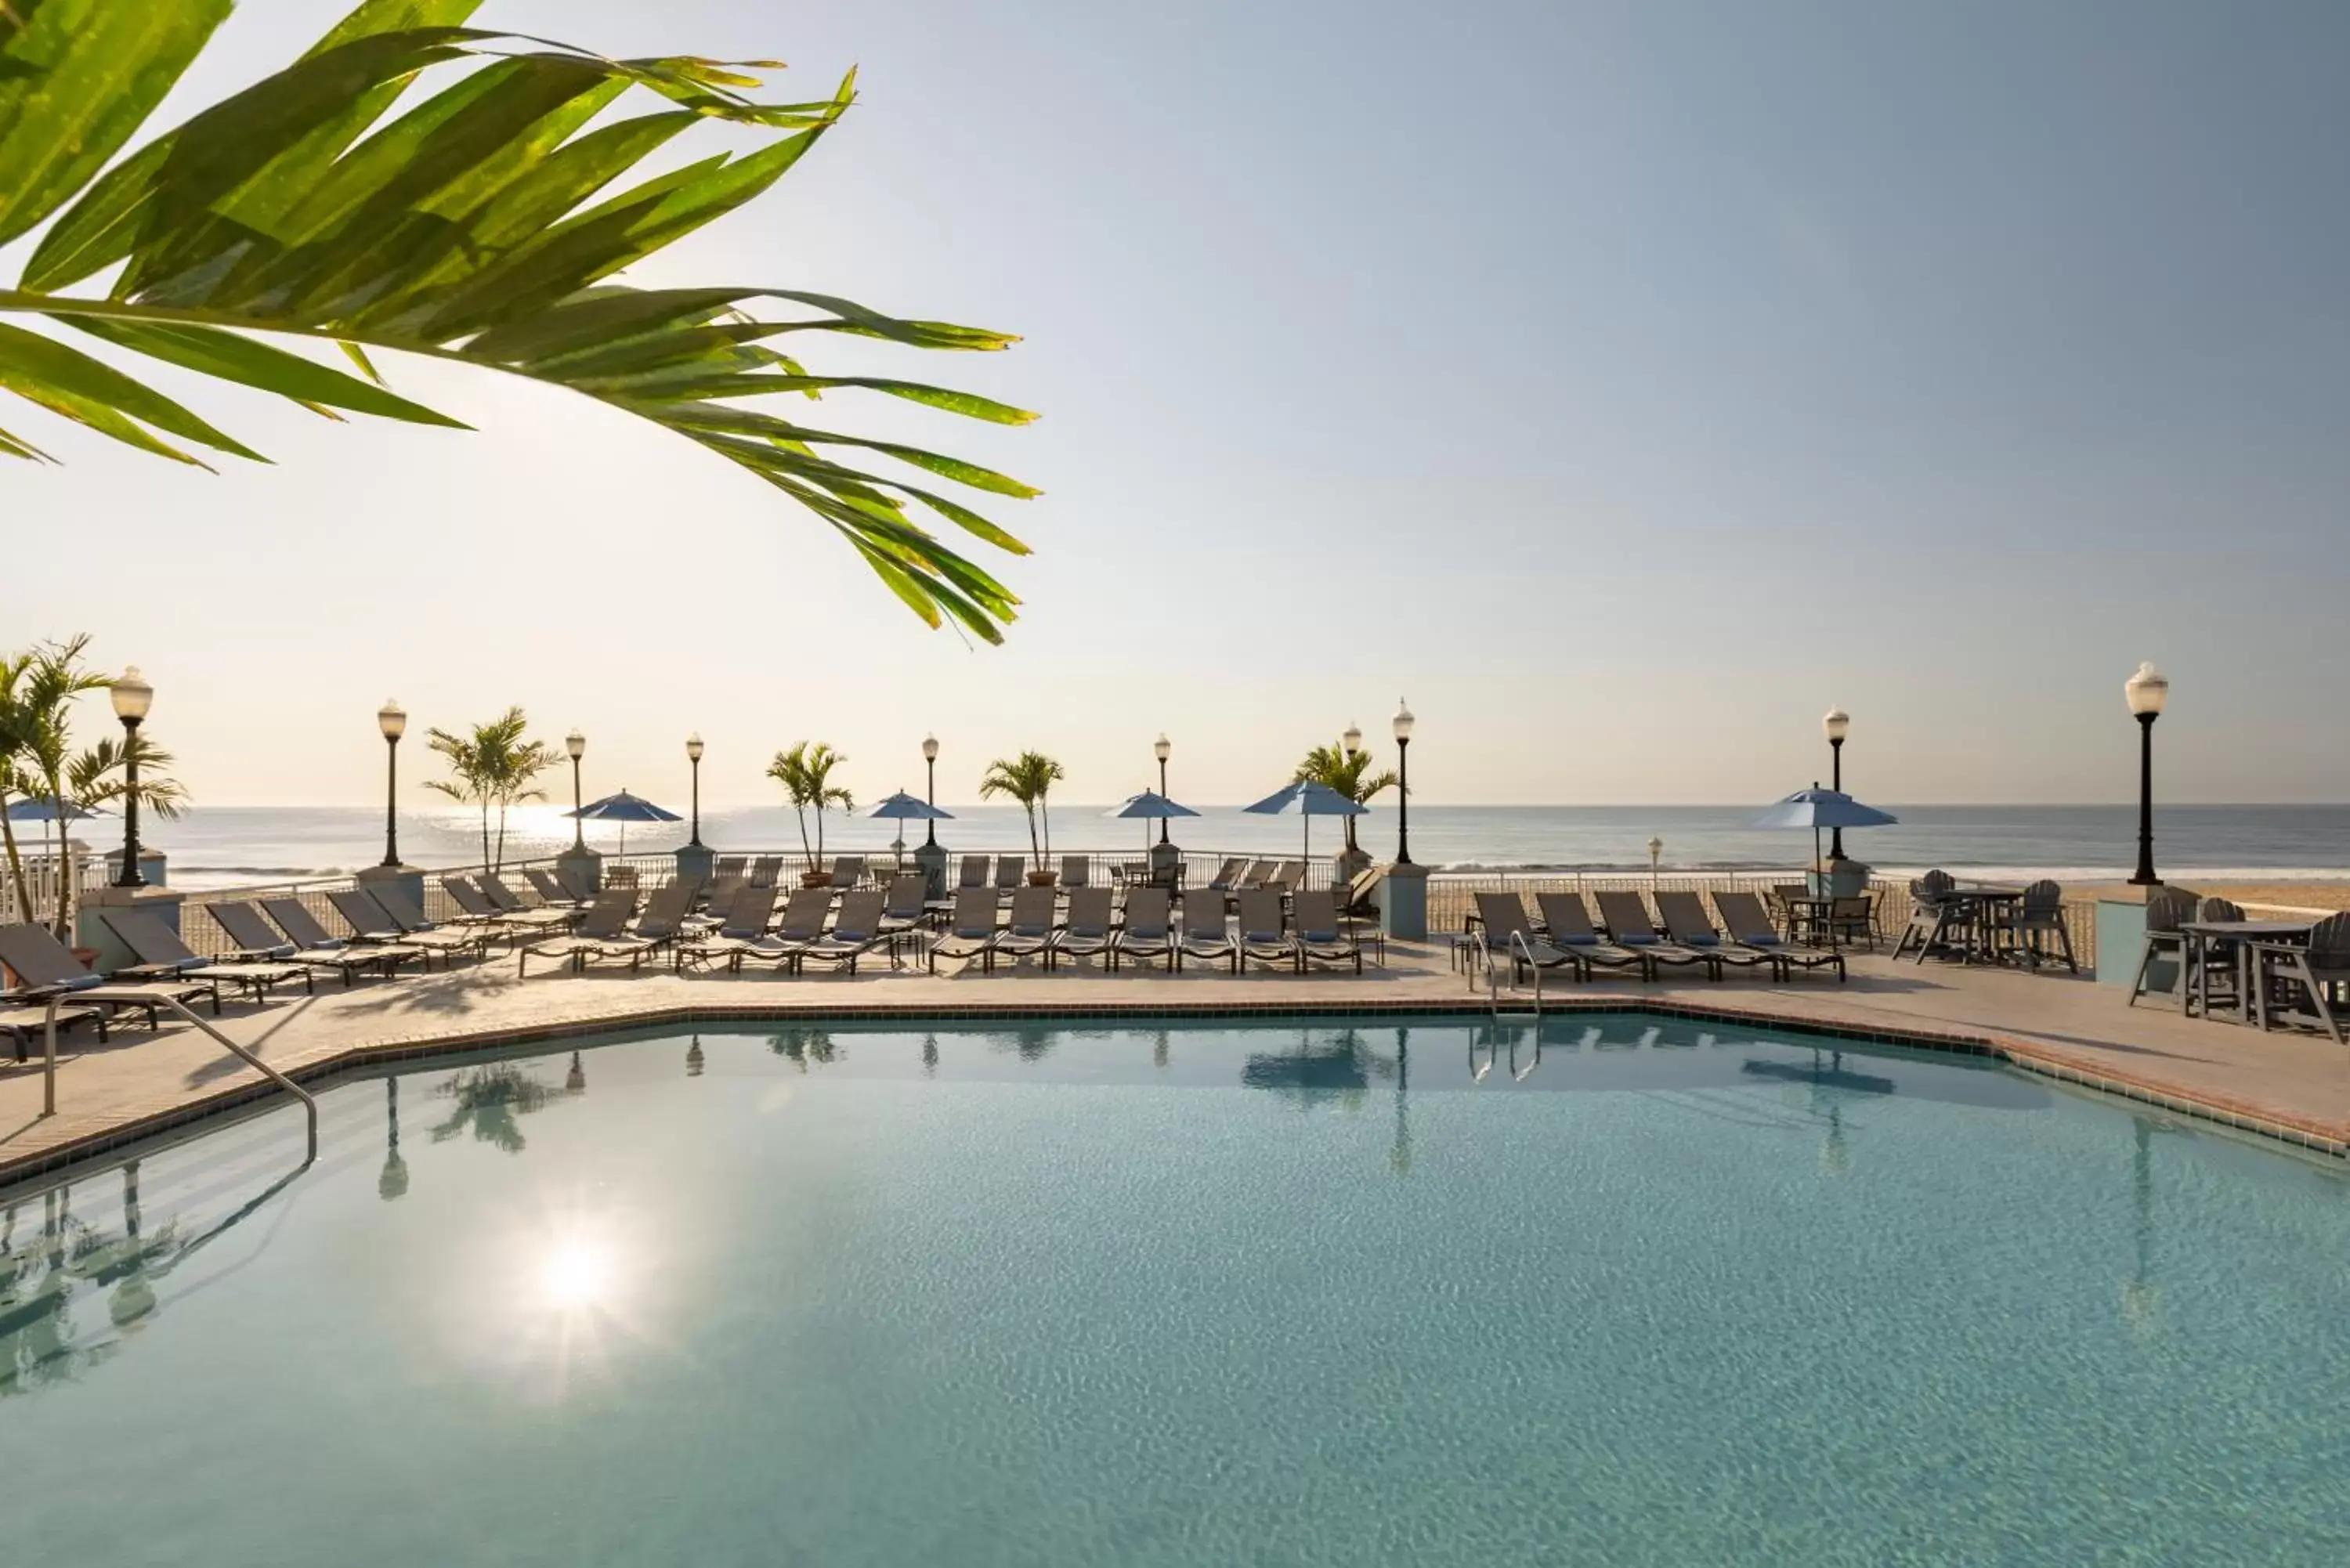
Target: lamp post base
[(931, 860), (1403, 902), (581, 867), (693, 863), (407, 879), (90, 929)]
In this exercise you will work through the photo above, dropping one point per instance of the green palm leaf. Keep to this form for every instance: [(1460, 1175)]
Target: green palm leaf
[(340, 201)]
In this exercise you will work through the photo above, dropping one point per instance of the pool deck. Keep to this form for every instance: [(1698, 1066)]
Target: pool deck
[(2291, 1086)]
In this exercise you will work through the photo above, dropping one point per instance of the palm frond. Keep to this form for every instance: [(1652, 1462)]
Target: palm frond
[(336, 201)]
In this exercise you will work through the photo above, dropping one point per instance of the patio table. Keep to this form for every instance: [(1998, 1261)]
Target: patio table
[(2204, 934), (1991, 906)]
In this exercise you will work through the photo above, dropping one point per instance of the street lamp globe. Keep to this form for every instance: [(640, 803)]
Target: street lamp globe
[(575, 745), (391, 719), (133, 696), (1838, 723), (1162, 748), (1403, 721), (693, 747), (1353, 739), (2147, 690), (930, 748)]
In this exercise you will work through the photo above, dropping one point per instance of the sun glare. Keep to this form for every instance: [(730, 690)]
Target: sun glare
[(577, 1275)]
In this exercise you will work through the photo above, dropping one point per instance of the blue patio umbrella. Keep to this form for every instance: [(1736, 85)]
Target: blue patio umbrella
[(1818, 808), (1149, 806), (1309, 800), (904, 807), (40, 811), (623, 808)]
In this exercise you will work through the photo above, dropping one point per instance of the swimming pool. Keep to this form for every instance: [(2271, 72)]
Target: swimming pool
[(1633, 1291)]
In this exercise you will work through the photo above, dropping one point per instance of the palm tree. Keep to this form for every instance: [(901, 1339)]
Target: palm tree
[(493, 767), (36, 745), (1349, 773), (471, 228), (1027, 778), (805, 774)]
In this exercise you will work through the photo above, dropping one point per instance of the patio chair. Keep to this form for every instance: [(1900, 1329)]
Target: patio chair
[(1361, 899), (22, 1020), (1321, 937), (1794, 913), (1205, 931), (1262, 933), (1936, 920), (46, 968), (1852, 920), (2214, 964), (2304, 984), (1086, 933), (162, 955), (1028, 930), (1567, 928), (406, 922), (1010, 871), (742, 923), (313, 944), (970, 927), (855, 932), (1687, 924), (2166, 909), (1625, 916), (1228, 875), (2036, 925), (1147, 930), (1743, 918), (602, 933)]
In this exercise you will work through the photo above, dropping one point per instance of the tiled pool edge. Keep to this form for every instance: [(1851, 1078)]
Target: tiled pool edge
[(2022, 1052)]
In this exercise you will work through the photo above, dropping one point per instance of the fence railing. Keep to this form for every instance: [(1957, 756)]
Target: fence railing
[(42, 874)]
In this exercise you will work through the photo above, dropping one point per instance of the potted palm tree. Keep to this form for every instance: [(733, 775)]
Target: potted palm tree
[(805, 774), (1028, 778), (1348, 770)]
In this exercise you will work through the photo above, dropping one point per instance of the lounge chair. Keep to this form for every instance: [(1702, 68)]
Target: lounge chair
[(1028, 930), (1228, 876), (1253, 874), (1567, 928), (855, 931), (1687, 924), (1086, 933), (1321, 937), (602, 934), (46, 968), (499, 915), (162, 955), (726, 865), (1361, 900), (473, 906), (970, 927), (543, 882), (1010, 871), (847, 871), (801, 928), (1285, 879), (1263, 933), (22, 1020), (312, 943), (717, 896), (1205, 935), (973, 872), (742, 923), (663, 920), (406, 923), (1077, 871), (1627, 919), (1743, 917), (903, 906), (1511, 937), (623, 877), (765, 870), (1145, 933)]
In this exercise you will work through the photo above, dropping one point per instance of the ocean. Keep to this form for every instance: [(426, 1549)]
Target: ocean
[(220, 846)]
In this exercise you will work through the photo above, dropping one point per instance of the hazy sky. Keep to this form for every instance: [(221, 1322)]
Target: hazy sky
[(1624, 384)]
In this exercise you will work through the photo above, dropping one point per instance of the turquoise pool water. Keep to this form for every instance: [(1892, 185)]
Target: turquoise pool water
[(1428, 1293)]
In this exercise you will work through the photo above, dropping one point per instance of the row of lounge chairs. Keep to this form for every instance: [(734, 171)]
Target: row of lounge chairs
[(1680, 935), (1256, 928)]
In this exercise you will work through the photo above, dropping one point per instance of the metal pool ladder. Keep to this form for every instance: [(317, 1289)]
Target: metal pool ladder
[(1517, 949), (49, 1065)]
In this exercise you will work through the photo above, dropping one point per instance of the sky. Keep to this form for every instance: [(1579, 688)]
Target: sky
[(1622, 384)]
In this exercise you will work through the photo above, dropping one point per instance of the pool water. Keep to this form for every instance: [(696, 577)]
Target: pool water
[(1631, 1291)]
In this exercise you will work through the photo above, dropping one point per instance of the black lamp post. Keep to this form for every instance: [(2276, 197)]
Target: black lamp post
[(694, 755), (1160, 748), (930, 787), (392, 719), (1351, 742), (576, 744), (132, 697), (1403, 722), (1836, 723), (2147, 690)]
